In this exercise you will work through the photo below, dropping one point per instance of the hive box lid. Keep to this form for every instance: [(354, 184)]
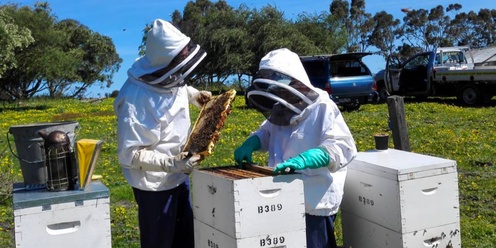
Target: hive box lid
[(401, 165), (33, 198)]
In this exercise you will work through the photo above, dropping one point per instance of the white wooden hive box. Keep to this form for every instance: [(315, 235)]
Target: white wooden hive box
[(248, 207), (209, 237), (76, 218), (402, 191), (361, 233)]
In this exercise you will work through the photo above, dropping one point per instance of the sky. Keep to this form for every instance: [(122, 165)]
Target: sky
[(124, 20)]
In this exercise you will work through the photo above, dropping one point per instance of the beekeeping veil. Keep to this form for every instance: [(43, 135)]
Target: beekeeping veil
[(170, 56), (281, 89)]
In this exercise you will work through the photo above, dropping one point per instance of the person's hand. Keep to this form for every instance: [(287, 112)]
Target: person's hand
[(244, 152), (149, 160), (311, 159), (186, 162), (203, 97)]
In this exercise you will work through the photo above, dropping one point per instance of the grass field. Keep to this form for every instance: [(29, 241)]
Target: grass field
[(437, 127)]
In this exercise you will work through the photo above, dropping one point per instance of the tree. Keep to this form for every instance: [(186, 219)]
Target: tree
[(358, 23), (97, 59), (36, 59), (339, 9), (226, 36), (193, 24), (359, 27), (324, 31), (427, 29), (236, 39), (64, 56), (269, 31), (460, 27), (485, 28), (405, 51), (12, 38), (474, 29), (384, 33)]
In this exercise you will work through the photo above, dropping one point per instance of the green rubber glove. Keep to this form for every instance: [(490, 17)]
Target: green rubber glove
[(311, 159), (246, 149)]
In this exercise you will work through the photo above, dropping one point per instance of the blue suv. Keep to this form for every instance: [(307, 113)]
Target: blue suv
[(345, 77)]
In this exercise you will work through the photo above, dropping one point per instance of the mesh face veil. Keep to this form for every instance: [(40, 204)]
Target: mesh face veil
[(180, 67), (279, 97)]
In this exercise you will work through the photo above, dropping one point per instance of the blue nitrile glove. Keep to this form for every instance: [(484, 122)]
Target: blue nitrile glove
[(246, 149), (311, 159)]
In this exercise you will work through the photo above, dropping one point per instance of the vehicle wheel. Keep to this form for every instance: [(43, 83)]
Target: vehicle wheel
[(383, 93), (470, 95)]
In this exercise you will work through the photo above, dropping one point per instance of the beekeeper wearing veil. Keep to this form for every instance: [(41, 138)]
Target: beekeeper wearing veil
[(303, 131), (153, 123)]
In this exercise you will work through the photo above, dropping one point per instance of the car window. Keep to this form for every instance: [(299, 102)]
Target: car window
[(315, 68), (421, 60), (451, 57), (346, 68)]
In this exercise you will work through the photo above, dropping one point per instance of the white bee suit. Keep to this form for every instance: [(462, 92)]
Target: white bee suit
[(153, 115), (320, 124)]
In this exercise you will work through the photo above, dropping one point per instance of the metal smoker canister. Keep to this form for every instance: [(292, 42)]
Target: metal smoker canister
[(60, 161)]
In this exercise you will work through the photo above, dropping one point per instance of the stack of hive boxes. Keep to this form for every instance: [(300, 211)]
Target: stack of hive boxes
[(236, 208), (72, 218), (397, 199)]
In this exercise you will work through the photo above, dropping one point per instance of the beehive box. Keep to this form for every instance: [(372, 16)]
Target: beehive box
[(76, 218), (243, 204), (402, 191), (362, 233), (209, 237)]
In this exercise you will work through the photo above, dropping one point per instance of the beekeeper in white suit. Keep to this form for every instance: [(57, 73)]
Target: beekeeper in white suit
[(153, 117), (304, 131)]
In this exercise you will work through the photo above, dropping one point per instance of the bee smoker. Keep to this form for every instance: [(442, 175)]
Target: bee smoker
[(60, 161)]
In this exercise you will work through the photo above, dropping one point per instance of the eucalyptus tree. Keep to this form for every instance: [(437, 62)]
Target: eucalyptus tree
[(405, 50), (360, 26), (383, 35), (356, 20), (427, 29), (460, 27), (475, 29), (487, 27), (340, 9)]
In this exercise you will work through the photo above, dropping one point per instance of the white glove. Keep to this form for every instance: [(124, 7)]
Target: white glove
[(148, 160), (198, 98), (203, 97)]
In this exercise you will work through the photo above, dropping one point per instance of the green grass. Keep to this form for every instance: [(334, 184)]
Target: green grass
[(436, 127)]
